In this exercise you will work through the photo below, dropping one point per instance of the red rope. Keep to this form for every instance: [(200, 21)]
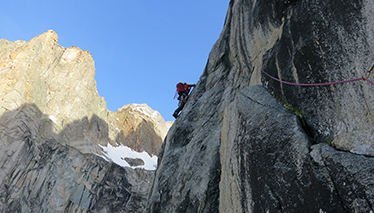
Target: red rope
[(291, 83), (316, 84)]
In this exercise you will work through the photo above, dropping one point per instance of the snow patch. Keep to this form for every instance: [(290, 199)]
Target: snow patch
[(118, 155), (53, 118), (142, 108)]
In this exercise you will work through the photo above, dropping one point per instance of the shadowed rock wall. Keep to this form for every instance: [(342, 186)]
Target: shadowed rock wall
[(39, 174), (321, 42), (236, 148)]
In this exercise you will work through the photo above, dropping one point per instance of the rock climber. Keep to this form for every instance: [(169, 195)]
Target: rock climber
[(183, 90)]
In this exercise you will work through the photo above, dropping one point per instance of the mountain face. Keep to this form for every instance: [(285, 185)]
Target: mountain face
[(141, 128), (246, 142), (61, 149)]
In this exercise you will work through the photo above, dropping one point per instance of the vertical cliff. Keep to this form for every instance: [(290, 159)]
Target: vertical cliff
[(57, 136), (248, 143)]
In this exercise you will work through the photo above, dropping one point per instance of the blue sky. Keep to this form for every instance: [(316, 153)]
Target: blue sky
[(142, 49)]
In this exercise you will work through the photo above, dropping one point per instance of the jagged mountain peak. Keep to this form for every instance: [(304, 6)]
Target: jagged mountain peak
[(56, 132), (143, 111), (60, 81), (135, 119)]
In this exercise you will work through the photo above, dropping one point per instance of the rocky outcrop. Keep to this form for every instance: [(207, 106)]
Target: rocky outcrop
[(56, 133), (61, 82), (141, 128), (39, 174), (237, 148)]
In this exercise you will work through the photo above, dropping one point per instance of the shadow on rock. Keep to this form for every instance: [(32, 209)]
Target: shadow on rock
[(39, 174)]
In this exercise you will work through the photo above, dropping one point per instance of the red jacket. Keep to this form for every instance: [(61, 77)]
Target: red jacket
[(188, 87), (184, 88)]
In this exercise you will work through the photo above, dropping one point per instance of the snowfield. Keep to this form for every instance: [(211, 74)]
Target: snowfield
[(118, 155)]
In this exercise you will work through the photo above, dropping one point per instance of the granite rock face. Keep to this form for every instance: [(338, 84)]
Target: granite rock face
[(53, 125), (335, 46), (141, 128), (247, 143), (39, 174), (61, 82)]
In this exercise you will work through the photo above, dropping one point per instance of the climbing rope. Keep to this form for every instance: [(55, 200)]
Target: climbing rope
[(289, 83), (321, 84)]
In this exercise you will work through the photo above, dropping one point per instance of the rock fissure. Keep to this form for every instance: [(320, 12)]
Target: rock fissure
[(257, 101)]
